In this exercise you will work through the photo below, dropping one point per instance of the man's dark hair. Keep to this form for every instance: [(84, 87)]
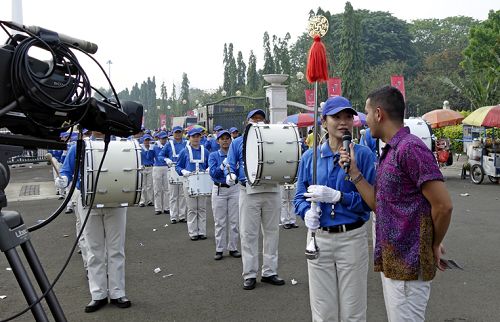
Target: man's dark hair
[(391, 100)]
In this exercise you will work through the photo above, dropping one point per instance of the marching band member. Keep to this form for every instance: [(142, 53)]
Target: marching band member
[(234, 133), (224, 201), (193, 159), (259, 210), (147, 160), (170, 153), (105, 244), (338, 277), (160, 180), (212, 144)]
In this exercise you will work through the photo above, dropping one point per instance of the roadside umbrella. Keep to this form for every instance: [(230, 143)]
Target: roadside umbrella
[(488, 116), (301, 119), (194, 126), (359, 120), (441, 118)]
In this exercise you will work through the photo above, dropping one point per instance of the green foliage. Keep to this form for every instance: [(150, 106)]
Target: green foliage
[(252, 75), (454, 133), (240, 72), (269, 67)]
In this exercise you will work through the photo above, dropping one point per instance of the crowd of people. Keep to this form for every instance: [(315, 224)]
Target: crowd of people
[(402, 188)]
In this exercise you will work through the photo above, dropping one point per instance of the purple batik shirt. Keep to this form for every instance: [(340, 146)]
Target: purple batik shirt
[(404, 230)]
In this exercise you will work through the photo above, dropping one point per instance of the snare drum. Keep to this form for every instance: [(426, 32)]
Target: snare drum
[(120, 177), (271, 153), (199, 184), (173, 176)]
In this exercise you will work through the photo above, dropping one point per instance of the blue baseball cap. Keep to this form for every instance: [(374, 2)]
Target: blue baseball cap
[(195, 130), (336, 104), (176, 128), (221, 133), (233, 129), (147, 137), (218, 128), (147, 131), (162, 135), (257, 111)]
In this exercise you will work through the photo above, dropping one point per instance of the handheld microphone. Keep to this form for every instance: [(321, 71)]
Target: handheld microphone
[(346, 141)]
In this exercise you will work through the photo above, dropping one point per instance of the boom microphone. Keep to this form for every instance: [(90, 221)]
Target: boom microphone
[(346, 141)]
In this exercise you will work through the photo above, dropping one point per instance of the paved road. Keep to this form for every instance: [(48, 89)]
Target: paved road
[(203, 289)]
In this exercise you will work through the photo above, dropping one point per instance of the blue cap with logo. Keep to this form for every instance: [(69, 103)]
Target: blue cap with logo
[(336, 104), (177, 128), (218, 128), (147, 137), (195, 130), (162, 135), (221, 133), (233, 129), (257, 111)]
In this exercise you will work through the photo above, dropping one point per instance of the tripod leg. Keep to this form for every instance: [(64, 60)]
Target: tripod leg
[(43, 281), (25, 284)]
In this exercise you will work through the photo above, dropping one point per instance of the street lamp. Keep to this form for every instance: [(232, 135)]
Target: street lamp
[(300, 75), (238, 93), (197, 102), (223, 93), (184, 102)]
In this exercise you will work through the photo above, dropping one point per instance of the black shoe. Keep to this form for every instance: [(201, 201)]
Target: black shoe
[(151, 204), (249, 283), (235, 253), (68, 211), (193, 238), (173, 221), (182, 220), (202, 237), (294, 225), (166, 212), (287, 226), (157, 213), (142, 205), (60, 198), (273, 279), (122, 302), (218, 256), (95, 305)]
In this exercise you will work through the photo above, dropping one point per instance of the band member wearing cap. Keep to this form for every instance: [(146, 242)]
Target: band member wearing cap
[(224, 201), (338, 277), (160, 179), (194, 159), (147, 160), (234, 133), (259, 210), (212, 144), (105, 244), (412, 205), (170, 153)]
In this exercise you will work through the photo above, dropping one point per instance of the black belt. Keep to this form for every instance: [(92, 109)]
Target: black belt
[(147, 166), (221, 185), (343, 228)]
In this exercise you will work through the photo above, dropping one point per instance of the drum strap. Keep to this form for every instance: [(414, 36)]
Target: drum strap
[(174, 153), (192, 160)]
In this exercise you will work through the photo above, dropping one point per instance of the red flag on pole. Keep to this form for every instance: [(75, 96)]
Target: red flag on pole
[(398, 81), (309, 97), (334, 86)]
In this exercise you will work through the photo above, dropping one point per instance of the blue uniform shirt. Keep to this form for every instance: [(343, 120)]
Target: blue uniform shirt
[(183, 162), (167, 151), (369, 141), (147, 156), (214, 161), (352, 207), (212, 145), (69, 166), (159, 161), (235, 159)]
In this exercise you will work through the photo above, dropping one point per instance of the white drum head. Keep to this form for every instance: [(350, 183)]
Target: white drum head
[(252, 136)]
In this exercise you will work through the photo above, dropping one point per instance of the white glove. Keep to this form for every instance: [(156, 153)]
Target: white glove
[(169, 162), (317, 193), (207, 170), (231, 179), (61, 182), (311, 218), (185, 173)]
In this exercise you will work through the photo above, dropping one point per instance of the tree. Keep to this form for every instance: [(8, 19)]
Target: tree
[(184, 96), (252, 75), (269, 67), (226, 83), (240, 72), (135, 93), (230, 71), (351, 56)]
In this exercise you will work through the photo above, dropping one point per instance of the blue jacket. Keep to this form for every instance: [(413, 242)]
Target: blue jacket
[(159, 160), (167, 151), (212, 145), (352, 207), (214, 161), (369, 141), (147, 156), (183, 162), (235, 159), (69, 166)]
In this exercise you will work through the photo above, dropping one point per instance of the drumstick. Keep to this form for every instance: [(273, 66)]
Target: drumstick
[(49, 158)]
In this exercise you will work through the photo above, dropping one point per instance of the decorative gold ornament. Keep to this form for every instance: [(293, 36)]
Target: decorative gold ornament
[(318, 25)]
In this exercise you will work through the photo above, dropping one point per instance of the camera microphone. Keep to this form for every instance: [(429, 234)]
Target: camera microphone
[(346, 141)]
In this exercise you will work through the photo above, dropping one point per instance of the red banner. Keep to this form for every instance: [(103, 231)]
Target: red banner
[(163, 121), (309, 97), (398, 81), (334, 86)]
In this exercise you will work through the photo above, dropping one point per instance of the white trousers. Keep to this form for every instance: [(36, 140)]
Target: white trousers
[(147, 185), (259, 211), (196, 214), (105, 236), (80, 217), (405, 300), (338, 278), (226, 217), (287, 207), (178, 208), (160, 185)]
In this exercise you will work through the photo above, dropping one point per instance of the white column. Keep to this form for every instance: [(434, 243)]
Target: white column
[(276, 94)]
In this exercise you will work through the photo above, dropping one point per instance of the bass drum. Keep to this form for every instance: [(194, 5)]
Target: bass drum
[(272, 153), (120, 177), (418, 127)]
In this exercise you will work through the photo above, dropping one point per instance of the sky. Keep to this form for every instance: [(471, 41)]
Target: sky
[(166, 38)]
